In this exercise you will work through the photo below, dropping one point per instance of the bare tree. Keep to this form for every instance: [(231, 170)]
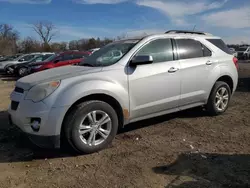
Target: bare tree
[(45, 30), (7, 32), (8, 39)]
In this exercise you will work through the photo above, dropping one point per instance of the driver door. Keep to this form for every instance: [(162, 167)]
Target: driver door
[(154, 89)]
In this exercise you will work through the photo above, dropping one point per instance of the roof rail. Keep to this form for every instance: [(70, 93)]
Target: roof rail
[(186, 32)]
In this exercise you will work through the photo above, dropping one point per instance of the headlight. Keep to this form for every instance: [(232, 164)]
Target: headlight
[(41, 91)]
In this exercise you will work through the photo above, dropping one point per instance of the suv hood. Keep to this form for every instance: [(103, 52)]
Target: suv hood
[(54, 74)]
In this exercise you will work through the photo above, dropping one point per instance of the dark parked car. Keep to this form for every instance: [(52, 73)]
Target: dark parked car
[(22, 69)]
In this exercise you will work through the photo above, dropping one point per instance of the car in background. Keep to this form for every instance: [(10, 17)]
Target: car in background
[(243, 52), (91, 51), (233, 51), (22, 69), (9, 58), (20, 59), (58, 60)]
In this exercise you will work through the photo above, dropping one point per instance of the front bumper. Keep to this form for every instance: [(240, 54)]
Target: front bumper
[(41, 141), (26, 111)]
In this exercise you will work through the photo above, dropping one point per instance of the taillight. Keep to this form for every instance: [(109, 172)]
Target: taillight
[(235, 60)]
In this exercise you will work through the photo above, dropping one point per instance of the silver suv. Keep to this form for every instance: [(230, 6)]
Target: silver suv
[(159, 74)]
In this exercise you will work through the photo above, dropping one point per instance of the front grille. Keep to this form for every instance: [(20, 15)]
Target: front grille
[(14, 105), (18, 90)]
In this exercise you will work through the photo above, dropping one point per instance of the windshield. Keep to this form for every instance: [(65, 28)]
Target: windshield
[(110, 54), (52, 57)]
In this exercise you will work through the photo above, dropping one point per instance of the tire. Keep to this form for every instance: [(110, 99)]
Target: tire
[(23, 71), (212, 105), (73, 121)]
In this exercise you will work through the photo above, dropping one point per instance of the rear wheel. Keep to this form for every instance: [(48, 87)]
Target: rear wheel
[(219, 98), (91, 126)]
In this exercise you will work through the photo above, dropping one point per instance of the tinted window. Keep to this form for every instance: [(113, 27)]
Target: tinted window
[(79, 56), (206, 51), (220, 44), (161, 50), (28, 57), (66, 57), (189, 48), (46, 56)]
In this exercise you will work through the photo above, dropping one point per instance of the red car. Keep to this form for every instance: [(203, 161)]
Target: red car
[(58, 60)]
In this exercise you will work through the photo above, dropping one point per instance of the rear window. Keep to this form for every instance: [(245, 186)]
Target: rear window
[(220, 44)]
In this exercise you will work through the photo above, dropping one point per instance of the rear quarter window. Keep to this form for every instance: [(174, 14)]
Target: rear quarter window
[(220, 44)]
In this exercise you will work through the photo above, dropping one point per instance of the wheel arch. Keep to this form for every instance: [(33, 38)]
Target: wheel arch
[(227, 79), (102, 97)]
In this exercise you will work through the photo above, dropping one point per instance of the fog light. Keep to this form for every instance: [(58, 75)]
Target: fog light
[(35, 124)]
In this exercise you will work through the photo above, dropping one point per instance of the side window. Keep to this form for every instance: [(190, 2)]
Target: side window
[(66, 57), (78, 56), (206, 51), (28, 57), (189, 48), (46, 57), (161, 50), (220, 44)]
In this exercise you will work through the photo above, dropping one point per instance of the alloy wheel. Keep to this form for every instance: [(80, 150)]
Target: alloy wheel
[(221, 99), (95, 128)]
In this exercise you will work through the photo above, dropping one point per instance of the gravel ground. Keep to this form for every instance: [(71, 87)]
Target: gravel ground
[(185, 149)]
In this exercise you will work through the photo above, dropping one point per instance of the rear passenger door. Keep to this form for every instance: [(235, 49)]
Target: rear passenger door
[(195, 66), (154, 88)]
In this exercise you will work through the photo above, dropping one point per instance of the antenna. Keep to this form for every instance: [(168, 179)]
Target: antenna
[(194, 27)]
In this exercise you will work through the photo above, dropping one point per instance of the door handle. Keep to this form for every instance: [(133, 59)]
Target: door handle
[(209, 62), (172, 70)]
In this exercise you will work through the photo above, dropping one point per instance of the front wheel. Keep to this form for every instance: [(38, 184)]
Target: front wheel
[(91, 126), (23, 71), (219, 98)]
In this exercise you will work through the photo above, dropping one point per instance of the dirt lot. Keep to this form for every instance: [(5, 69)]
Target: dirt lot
[(186, 149)]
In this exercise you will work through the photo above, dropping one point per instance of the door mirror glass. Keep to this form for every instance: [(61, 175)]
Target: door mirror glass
[(141, 60)]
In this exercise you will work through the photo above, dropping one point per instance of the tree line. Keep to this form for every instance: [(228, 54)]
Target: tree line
[(12, 43)]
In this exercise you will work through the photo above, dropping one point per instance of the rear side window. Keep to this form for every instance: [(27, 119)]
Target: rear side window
[(220, 44), (189, 48), (161, 50), (66, 57), (206, 51), (79, 56)]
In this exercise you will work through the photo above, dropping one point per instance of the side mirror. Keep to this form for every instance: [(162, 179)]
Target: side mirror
[(21, 60), (141, 60)]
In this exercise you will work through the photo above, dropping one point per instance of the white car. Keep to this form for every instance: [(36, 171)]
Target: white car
[(243, 52), (124, 82), (21, 59)]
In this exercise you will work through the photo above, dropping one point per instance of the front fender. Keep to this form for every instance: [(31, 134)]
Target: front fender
[(69, 95)]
